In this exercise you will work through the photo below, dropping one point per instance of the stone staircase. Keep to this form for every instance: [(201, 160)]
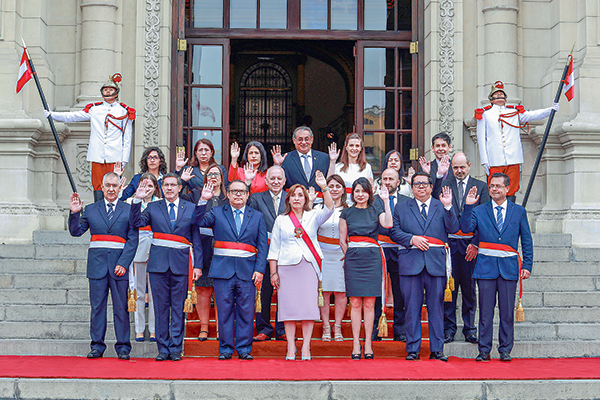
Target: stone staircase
[(44, 306)]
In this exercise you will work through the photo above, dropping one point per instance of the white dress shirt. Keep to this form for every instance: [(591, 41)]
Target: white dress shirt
[(503, 211), (243, 209), (176, 202)]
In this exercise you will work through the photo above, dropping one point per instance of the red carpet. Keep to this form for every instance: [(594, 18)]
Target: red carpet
[(279, 369)]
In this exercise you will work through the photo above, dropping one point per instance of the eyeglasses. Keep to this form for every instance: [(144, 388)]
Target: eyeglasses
[(153, 158), (421, 185), (212, 175), (306, 139), (496, 186), (238, 192)]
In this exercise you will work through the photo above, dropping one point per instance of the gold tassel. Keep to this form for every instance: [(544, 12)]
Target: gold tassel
[(321, 300), (257, 302), (132, 301), (382, 328), (452, 287), (448, 293), (520, 312), (188, 306), (194, 294)]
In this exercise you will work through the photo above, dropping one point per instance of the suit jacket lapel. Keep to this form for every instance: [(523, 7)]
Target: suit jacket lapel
[(490, 211), (247, 215), (283, 195), (117, 212), (509, 214), (228, 211), (296, 158), (103, 212), (182, 206), (415, 209), (430, 214), (268, 200), (163, 208), (314, 164)]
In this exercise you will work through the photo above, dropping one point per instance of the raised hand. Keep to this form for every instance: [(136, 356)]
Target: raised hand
[(384, 193), (425, 165), (118, 168), (444, 166), (333, 152), (446, 196), (277, 157), (76, 204), (249, 173), (143, 190), (472, 196), (320, 179), (411, 172), (235, 153), (186, 175), (312, 195), (122, 183), (208, 191), (180, 160)]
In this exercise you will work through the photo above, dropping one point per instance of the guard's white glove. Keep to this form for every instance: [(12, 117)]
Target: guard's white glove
[(47, 113), (487, 168), (556, 106)]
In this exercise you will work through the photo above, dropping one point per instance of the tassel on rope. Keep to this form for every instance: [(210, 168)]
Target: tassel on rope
[(448, 293), (452, 287), (257, 302), (520, 312), (194, 294), (382, 328), (321, 300), (188, 306), (132, 301)]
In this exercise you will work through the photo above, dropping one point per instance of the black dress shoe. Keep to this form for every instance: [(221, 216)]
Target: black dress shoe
[(483, 356), (224, 356), (175, 356), (401, 337), (412, 357), (123, 355), (448, 338), (471, 338), (438, 355), (505, 356), (94, 354), (246, 356), (162, 357)]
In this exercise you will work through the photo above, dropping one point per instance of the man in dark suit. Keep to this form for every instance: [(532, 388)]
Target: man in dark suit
[(499, 224), (174, 237), (439, 169), (270, 203), (421, 226), (391, 180), (112, 248), (463, 246), (238, 265), (301, 164)]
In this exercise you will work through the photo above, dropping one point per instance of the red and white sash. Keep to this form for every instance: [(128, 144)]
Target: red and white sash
[(107, 242), (234, 249), (386, 242), (176, 242), (366, 241), (461, 235), (502, 251), (316, 260), (435, 242)]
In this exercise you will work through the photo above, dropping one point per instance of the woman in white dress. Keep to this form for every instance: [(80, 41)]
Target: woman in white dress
[(333, 265), (138, 278), (294, 259), (353, 163)]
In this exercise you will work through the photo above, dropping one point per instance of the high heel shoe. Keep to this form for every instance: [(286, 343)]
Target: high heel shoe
[(326, 333), (307, 358), (291, 358), (337, 336), (357, 356)]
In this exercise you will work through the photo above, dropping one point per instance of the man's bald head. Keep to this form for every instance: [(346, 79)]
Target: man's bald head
[(461, 165)]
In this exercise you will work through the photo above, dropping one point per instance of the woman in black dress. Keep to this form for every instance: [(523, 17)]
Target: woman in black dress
[(363, 269)]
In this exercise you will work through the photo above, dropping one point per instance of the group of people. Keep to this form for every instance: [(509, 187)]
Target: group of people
[(322, 230)]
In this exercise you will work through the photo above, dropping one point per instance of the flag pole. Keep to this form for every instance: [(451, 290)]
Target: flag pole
[(547, 131), (50, 120)]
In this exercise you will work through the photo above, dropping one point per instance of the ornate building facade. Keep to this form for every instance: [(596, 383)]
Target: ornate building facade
[(396, 71)]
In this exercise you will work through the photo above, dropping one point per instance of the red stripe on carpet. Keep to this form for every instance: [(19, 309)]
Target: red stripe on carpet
[(49, 367)]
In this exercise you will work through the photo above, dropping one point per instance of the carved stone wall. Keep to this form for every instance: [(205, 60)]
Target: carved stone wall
[(446, 54), (151, 72)]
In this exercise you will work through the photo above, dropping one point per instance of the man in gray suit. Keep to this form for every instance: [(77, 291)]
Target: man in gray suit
[(271, 203)]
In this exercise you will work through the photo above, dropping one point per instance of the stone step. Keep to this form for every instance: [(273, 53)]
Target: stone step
[(559, 269), (59, 238), (552, 254), (44, 296), (586, 254), (46, 313), (562, 284), (34, 266), (70, 348), (542, 331), (562, 314), (552, 239), (43, 281), (62, 252), (17, 251)]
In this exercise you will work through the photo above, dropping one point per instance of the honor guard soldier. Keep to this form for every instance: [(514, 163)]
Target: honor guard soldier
[(499, 135), (110, 131)]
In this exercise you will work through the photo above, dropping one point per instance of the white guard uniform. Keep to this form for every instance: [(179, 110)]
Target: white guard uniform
[(499, 142), (110, 133)]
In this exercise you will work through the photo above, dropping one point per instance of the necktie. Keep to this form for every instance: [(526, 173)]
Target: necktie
[(461, 192), (111, 211), (238, 220), (172, 215), (276, 204), (392, 203), (499, 219), (423, 212), (306, 167)]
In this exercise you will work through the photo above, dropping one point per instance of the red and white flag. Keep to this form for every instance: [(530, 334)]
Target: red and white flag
[(569, 87), (25, 73)]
